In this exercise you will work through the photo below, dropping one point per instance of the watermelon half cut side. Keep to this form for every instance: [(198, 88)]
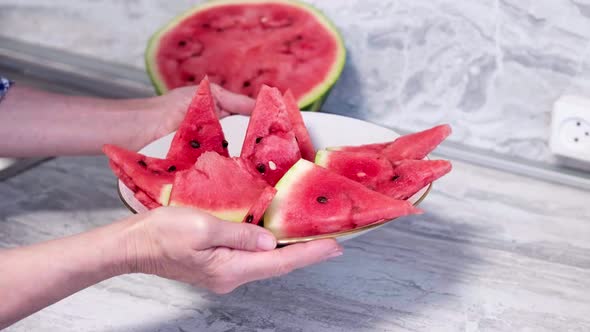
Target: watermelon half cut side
[(221, 187), (200, 130), (311, 200), (242, 45)]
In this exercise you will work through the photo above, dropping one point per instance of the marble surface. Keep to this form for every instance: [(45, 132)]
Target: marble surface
[(491, 68), (494, 252)]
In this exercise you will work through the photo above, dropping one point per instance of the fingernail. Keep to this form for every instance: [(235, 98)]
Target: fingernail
[(266, 242), (335, 254)]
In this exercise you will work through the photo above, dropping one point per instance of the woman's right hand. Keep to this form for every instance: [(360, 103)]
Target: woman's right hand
[(194, 247)]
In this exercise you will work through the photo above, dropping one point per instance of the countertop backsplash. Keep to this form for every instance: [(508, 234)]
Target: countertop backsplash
[(492, 69)]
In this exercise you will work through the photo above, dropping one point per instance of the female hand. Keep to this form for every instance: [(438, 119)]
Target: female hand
[(196, 248), (169, 109)]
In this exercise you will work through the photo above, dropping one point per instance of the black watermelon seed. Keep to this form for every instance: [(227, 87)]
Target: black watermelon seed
[(250, 218), (195, 144), (246, 84), (261, 168), (191, 78), (395, 177), (142, 163), (322, 200), (182, 43), (258, 139), (171, 168), (224, 144), (261, 221)]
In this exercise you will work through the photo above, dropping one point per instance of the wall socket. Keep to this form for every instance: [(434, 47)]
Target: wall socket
[(570, 131)]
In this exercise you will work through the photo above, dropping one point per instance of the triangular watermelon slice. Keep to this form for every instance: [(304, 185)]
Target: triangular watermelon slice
[(301, 133), (412, 146), (270, 144), (200, 131), (366, 168), (409, 176), (399, 180), (221, 187), (146, 176), (311, 200)]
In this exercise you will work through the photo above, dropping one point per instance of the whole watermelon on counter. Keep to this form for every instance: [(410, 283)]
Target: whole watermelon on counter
[(242, 45)]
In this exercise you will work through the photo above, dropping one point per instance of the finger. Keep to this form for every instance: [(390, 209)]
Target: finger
[(263, 265), (232, 102), (241, 236)]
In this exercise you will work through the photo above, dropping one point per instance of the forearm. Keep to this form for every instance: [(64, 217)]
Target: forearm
[(34, 277), (35, 123)]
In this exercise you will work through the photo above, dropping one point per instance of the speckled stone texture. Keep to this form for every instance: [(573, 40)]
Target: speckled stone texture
[(491, 68), (494, 252)]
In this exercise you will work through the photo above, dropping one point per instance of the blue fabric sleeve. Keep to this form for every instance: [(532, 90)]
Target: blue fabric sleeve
[(5, 84)]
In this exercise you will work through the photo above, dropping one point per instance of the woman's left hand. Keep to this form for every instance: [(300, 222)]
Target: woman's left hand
[(169, 109)]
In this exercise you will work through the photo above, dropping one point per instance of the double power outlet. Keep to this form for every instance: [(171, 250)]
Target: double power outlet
[(570, 131)]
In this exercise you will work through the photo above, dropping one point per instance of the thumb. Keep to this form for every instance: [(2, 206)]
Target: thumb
[(231, 102), (240, 236)]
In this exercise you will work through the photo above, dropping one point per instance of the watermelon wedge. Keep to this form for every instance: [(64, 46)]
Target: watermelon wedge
[(270, 145), (301, 133), (243, 45), (399, 180), (147, 177), (312, 200), (221, 187), (369, 169), (409, 176), (200, 131), (412, 146)]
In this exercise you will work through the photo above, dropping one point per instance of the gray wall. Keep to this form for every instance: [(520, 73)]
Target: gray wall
[(490, 68)]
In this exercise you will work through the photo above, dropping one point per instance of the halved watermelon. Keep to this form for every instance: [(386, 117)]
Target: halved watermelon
[(242, 45), (221, 187), (270, 145), (146, 176), (412, 146), (301, 133), (200, 131), (311, 200), (399, 180)]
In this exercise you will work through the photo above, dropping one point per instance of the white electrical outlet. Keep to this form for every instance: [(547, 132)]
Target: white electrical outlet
[(570, 129)]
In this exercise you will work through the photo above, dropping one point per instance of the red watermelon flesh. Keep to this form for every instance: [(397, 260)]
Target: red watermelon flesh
[(256, 213), (243, 46), (399, 180), (146, 200), (200, 131), (270, 145), (369, 169), (409, 176), (221, 187), (301, 133), (144, 174), (412, 146), (312, 200)]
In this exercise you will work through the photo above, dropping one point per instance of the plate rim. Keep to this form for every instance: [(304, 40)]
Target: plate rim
[(303, 239)]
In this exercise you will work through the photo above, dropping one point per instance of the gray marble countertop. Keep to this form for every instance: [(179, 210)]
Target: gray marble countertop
[(494, 252)]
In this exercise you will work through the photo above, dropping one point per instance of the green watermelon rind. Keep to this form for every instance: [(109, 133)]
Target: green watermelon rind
[(321, 158), (295, 174), (312, 101)]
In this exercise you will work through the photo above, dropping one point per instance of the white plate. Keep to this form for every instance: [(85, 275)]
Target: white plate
[(326, 130)]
